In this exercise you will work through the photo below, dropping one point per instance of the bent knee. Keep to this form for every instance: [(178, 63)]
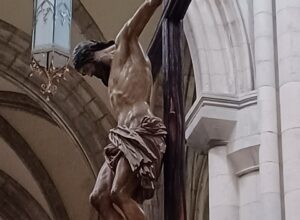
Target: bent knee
[(97, 198), (94, 199), (118, 196)]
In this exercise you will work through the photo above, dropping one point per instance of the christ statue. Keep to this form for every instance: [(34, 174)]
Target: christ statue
[(134, 155)]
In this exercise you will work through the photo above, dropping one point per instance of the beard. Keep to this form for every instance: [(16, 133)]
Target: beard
[(102, 71)]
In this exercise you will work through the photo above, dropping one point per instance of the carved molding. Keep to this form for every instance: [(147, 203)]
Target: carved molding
[(223, 101), (213, 117), (245, 160)]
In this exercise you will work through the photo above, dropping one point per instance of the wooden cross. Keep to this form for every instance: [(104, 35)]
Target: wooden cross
[(168, 37)]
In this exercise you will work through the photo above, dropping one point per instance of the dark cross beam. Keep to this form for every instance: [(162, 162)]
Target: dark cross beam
[(165, 52)]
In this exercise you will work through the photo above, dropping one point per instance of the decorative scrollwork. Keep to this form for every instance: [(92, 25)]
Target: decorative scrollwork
[(63, 13), (53, 76), (45, 9)]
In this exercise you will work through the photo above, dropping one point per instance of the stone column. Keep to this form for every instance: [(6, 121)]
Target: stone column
[(288, 36), (267, 101), (249, 196), (223, 188)]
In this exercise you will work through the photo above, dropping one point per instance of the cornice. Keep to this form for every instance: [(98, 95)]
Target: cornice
[(222, 101)]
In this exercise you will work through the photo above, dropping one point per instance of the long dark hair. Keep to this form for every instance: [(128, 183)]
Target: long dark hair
[(83, 54)]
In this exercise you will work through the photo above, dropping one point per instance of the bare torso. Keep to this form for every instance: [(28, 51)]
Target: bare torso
[(130, 83)]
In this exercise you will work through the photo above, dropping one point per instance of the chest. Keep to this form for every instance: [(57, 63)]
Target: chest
[(129, 74)]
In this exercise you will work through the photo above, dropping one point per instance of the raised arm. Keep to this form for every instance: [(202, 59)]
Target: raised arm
[(136, 24)]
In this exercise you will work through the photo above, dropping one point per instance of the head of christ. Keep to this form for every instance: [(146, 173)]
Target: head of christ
[(94, 58)]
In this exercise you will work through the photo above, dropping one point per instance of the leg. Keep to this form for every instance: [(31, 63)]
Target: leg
[(124, 184), (100, 196)]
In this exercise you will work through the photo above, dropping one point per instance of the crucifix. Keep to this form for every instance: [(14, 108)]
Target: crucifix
[(168, 37), (134, 156), (137, 145)]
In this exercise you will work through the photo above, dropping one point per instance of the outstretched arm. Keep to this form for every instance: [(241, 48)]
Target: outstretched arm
[(135, 25)]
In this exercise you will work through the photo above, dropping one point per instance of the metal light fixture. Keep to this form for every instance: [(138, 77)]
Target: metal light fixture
[(51, 42)]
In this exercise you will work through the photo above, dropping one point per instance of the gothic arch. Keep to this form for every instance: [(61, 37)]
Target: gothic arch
[(32, 162), (85, 22), (221, 46), (17, 203), (76, 108)]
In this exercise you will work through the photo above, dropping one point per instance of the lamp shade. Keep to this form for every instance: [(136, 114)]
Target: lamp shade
[(51, 32)]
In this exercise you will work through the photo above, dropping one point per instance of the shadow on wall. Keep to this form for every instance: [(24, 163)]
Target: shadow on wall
[(196, 185)]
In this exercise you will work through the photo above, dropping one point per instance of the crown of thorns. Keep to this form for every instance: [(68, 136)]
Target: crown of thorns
[(83, 52)]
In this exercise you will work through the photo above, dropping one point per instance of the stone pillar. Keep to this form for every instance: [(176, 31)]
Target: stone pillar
[(267, 100), (249, 196), (288, 36), (223, 188)]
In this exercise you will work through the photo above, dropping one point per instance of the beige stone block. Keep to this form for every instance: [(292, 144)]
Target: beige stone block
[(291, 170), (20, 41), (213, 38), (287, 19), (250, 211), (283, 4), (94, 108), (218, 162), (260, 6), (6, 31), (270, 206), (205, 83), (244, 160), (83, 93), (244, 81), (292, 45), (216, 62), (290, 105), (248, 122), (269, 183), (203, 58), (224, 213), (283, 41), (265, 73), (289, 69), (248, 188), (241, 57), (263, 24), (7, 55), (291, 145), (267, 109), (292, 201), (264, 48), (21, 67), (223, 36), (219, 83), (268, 151), (223, 191), (237, 36), (280, 5), (198, 32)]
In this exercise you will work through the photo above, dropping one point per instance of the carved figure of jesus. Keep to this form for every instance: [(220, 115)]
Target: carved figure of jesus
[(134, 155)]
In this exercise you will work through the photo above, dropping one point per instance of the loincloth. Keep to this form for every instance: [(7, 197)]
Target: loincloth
[(143, 147)]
